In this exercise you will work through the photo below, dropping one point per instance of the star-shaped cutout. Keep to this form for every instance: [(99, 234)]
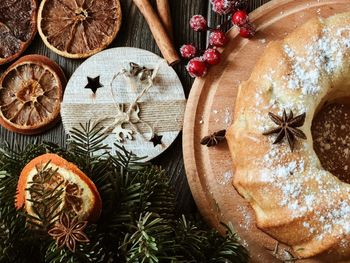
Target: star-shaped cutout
[(156, 139), (93, 84)]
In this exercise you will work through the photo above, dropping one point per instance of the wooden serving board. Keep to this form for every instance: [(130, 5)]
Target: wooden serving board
[(210, 107)]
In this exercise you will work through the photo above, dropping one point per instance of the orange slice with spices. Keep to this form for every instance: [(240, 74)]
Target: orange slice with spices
[(78, 29), (31, 92), (17, 27), (80, 196)]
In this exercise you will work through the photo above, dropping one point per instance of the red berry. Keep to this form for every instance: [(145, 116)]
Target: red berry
[(212, 56), (240, 18), (198, 23), (247, 31), (222, 7), (196, 67), (217, 38), (188, 51)]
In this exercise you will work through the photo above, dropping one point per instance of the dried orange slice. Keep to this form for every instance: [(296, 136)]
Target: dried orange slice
[(76, 28), (79, 196), (17, 27), (31, 91)]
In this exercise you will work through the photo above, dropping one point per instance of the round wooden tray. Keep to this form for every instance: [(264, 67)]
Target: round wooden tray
[(209, 109)]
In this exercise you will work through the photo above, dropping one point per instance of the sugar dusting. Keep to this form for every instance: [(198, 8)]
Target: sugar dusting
[(227, 117), (325, 54), (246, 222), (295, 176), (226, 178)]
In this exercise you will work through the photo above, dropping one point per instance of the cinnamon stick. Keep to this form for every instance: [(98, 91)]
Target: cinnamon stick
[(165, 16), (160, 35)]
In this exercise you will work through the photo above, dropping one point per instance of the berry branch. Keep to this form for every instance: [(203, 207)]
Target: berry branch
[(235, 12)]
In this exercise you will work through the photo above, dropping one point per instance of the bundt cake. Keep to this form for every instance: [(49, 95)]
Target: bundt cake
[(295, 199)]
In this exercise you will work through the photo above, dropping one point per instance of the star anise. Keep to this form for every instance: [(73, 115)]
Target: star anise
[(214, 138), (68, 232), (287, 127)]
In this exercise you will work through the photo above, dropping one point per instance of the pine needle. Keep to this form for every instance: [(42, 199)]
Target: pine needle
[(138, 223)]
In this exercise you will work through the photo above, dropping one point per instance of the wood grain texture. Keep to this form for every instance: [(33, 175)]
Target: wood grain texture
[(160, 34), (210, 107), (165, 16), (135, 33), (160, 110)]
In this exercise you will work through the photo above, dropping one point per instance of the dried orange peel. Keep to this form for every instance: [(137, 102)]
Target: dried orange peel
[(80, 195)]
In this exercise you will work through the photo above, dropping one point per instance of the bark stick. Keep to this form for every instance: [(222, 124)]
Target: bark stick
[(165, 16), (159, 33)]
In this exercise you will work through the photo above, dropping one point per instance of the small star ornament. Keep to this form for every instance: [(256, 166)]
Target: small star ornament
[(93, 84), (157, 140)]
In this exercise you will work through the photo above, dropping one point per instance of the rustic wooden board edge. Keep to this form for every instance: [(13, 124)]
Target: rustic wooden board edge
[(189, 129), (201, 94)]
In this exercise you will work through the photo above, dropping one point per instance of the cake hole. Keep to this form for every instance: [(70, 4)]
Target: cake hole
[(331, 136)]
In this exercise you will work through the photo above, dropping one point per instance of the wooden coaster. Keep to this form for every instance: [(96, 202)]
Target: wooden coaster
[(162, 107)]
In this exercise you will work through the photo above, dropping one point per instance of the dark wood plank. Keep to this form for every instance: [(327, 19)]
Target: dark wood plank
[(172, 160), (135, 32)]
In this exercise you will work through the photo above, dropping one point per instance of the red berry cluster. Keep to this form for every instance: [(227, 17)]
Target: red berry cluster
[(197, 66)]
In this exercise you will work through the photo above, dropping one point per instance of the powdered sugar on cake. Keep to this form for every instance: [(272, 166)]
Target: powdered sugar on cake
[(323, 54), (278, 166)]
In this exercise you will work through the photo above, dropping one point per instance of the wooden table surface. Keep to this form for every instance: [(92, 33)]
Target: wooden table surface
[(135, 33)]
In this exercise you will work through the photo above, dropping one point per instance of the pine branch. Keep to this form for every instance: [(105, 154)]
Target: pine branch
[(158, 196), (226, 249), (143, 245), (86, 145), (191, 240), (12, 225), (138, 221), (8, 185), (14, 159), (46, 202), (127, 160), (93, 252)]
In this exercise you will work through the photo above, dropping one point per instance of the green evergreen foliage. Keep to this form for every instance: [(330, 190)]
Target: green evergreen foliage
[(138, 223)]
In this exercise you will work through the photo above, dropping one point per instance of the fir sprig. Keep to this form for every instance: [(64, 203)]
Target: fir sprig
[(225, 249), (45, 201), (86, 146), (139, 222), (150, 242)]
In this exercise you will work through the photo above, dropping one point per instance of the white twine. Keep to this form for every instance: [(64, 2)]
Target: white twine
[(131, 116)]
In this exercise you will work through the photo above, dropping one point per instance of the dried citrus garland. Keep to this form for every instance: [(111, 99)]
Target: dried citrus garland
[(198, 66)]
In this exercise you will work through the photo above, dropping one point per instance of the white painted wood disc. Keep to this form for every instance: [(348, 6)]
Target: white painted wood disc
[(162, 107)]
